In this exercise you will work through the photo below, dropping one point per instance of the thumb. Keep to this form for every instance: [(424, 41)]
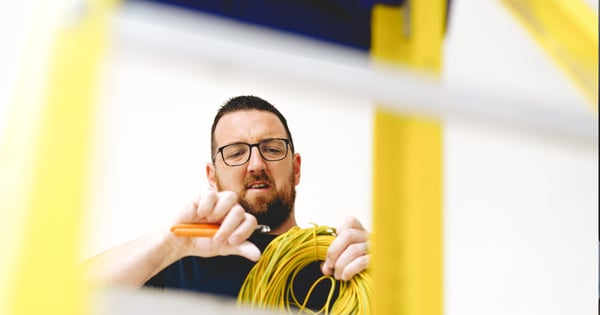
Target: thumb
[(247, 250)]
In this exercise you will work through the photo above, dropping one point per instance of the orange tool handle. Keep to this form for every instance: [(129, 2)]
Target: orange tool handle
[(206, 229), (195, 229)]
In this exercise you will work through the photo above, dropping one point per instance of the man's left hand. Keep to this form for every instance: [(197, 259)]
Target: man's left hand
[(348, 253)]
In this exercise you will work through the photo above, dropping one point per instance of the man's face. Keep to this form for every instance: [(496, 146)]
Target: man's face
[(266, 188)]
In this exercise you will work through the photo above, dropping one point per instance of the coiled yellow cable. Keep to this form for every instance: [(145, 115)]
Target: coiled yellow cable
[(269, 283)]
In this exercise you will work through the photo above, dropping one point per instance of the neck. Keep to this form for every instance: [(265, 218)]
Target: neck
[(288, 224)]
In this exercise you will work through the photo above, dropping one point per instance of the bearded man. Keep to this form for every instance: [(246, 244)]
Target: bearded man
[(253, 175)]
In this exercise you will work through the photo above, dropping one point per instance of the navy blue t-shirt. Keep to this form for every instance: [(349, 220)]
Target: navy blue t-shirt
[(224, 275)]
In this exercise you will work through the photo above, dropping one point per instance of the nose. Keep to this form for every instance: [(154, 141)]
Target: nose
[(256, 164)]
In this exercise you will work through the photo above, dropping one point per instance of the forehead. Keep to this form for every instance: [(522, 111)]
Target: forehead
[(248, 126)]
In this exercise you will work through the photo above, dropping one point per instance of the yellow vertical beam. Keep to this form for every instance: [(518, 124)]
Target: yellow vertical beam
[(410, 35), (407, 173), (45, 279), (568, 32), (407, 220)]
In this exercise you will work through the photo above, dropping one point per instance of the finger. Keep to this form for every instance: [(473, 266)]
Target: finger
[(246, 249), (229, 223), (354, 267), (349, 222), (236, 223), (245, 229), (189, 212), (352, 252), (347, 234), (206, 204), (215, 210), (339, 245)]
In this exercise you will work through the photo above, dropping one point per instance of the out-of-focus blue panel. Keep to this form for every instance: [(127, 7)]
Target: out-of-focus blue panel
[(345, 22)]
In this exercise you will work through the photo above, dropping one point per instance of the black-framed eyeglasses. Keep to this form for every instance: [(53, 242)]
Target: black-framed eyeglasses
[(236, 154)]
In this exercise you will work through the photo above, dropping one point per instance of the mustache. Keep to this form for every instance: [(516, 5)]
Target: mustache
[(261, 177)]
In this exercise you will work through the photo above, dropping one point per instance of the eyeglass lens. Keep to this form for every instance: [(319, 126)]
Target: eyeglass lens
[(270, 150)]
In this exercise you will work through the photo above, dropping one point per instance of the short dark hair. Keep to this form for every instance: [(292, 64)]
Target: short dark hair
[(246, 102)]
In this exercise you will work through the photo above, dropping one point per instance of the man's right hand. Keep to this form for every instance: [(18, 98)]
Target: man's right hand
[(236, 226), (135, 262)]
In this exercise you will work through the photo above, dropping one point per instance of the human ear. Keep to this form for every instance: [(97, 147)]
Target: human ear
[(297, 162), (211, 175)]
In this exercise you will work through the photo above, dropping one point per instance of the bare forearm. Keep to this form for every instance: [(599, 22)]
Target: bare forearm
[(132, 263), (135, 262)]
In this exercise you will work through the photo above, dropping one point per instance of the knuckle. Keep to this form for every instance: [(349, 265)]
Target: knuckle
[(351, 235), (363, 262), (357, 249), (228, 195), (251, 218), (208, 195), (213, 217), (331, 254), (237, 210), (347, 275), (344, 238), (359, 265)]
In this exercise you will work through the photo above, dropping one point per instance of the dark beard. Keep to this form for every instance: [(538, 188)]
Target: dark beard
[(277, 211)]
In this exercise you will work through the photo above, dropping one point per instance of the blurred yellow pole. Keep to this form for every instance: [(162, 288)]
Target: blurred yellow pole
[(568, 32), (407, 173), (45, 278)]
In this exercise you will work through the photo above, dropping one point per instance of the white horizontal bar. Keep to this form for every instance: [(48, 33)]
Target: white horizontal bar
[(197, 36)]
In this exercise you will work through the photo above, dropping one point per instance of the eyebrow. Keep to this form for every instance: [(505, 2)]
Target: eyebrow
[(259, 141)]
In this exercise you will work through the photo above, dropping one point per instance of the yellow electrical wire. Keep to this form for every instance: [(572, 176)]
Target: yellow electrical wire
[(269, 283)]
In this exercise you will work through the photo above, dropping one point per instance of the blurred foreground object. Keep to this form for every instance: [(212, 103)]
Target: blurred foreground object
[(70, 37), (568, 31)]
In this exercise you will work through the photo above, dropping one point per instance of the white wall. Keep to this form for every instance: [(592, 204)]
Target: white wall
[(521, 207), (520, 222)]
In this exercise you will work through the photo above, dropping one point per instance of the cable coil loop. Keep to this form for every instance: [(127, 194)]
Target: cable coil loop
[(268, 286)]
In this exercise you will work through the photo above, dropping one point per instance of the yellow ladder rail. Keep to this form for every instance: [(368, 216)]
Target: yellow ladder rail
[(46, 279), (407, 170), (568, 31)]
